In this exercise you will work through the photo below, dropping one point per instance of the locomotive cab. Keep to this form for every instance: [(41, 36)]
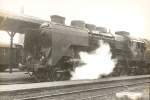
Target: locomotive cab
[(138, 49)]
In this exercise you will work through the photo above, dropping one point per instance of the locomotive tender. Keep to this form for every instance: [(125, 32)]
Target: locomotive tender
[(51, 50)]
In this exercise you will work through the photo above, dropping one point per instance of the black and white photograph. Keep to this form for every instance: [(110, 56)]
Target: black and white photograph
[(74, 49)]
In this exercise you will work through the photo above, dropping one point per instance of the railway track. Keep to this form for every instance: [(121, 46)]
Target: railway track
[(102, 89)]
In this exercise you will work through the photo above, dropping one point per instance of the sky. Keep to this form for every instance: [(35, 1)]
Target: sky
[(126, 15)]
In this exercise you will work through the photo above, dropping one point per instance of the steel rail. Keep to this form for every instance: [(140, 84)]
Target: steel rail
[(68, 89), (81, 91)]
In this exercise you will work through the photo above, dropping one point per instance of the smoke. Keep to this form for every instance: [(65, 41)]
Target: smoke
[(96, 64)]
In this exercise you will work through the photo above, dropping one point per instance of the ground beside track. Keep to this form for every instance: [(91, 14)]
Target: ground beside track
[(16, 77)]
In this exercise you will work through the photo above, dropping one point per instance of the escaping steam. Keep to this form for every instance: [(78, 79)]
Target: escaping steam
[(96, 64)]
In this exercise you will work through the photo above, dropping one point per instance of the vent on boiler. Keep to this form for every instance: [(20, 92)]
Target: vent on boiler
[(101, 29), (58, 19), (78, 23), (90, 27)]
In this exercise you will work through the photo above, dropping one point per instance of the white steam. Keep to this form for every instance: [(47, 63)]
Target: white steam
[(96, 64)]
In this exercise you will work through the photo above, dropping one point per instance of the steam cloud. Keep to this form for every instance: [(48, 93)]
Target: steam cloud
[(96, 64)]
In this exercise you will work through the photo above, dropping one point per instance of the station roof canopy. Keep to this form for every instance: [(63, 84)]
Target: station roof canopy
[(18, 23)]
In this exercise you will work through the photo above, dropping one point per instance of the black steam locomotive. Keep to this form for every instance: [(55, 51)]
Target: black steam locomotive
[(51, 51)]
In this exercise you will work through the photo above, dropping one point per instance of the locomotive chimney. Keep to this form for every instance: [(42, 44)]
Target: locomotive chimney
[(101, 29), (78, 23), (90, 27), (57, 19)]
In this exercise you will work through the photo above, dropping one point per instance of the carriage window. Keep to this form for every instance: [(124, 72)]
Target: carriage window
[(133, 44), (143, 47), (138, 45), (130, 43)]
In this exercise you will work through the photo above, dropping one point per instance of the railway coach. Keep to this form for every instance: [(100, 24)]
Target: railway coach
[(6, 59)]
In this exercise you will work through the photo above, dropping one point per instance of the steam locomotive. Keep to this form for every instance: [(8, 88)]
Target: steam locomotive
[(51, 52)]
